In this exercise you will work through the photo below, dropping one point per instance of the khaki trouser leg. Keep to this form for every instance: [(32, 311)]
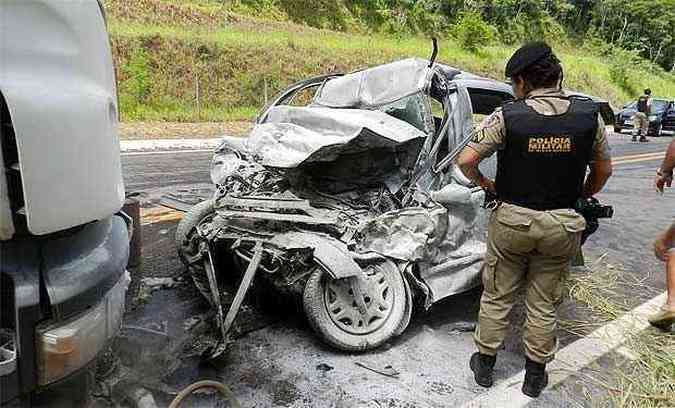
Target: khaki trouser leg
[(535, 248), (640, 124), (503, 273), (560, 236), (546, 279)]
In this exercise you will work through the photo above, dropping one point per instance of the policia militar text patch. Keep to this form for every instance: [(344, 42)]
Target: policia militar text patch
[(549, 144)]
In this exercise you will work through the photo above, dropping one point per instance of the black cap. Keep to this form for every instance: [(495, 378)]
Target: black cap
[(527, 55), (648, 91)]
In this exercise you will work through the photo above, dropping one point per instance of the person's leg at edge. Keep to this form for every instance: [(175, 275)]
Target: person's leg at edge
[(664, 249), (670, 278), (665, 317)]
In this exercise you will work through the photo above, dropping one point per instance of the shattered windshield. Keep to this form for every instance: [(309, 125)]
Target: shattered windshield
[(414, 109)]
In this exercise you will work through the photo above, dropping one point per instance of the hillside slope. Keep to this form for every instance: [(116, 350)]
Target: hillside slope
[(199, 61)]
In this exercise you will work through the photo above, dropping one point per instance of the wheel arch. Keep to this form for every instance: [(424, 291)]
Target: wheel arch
[(331, 253)]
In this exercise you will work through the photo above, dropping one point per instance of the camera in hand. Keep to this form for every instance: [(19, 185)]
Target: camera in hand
[(591, 208), (592, 211)]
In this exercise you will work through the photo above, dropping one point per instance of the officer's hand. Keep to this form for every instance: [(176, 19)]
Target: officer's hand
[(660, 182), (488, 185), (660, 248)]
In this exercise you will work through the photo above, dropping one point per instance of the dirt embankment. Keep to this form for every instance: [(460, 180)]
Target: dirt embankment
[(182, 130)]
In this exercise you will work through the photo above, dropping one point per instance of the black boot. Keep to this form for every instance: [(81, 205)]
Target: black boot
[(536, 378), (643, 139), (482, 366)]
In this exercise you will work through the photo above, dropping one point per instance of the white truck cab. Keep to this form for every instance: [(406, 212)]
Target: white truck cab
[(64, 245)]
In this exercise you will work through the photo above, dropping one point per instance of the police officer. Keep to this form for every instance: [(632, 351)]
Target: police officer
[(544, 140), (641, 118)]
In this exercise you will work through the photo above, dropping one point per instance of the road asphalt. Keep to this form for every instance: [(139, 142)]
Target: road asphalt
[(282, 364)]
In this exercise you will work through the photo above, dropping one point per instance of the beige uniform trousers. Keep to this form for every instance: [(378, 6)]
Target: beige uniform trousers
[(531, 248), (640, 124)]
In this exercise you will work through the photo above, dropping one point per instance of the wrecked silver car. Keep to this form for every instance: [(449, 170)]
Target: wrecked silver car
[(345, 196)]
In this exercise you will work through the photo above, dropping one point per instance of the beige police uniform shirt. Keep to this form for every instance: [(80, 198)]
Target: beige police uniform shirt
[(489, 136)]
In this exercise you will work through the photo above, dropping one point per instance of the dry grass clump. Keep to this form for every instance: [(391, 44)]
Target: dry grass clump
[(648, 380)]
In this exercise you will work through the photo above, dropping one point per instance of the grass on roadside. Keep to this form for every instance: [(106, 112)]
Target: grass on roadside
[(647, 382), (197, 61)]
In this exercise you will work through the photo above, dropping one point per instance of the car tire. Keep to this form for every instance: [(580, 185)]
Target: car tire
[(187, 245), (332, 313), (407, 315)]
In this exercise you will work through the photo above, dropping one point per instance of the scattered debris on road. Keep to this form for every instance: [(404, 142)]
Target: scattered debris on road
[(387, 371)]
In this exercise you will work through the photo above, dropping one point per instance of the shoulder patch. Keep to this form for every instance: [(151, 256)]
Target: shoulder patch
[(491, 120), (478, 136)]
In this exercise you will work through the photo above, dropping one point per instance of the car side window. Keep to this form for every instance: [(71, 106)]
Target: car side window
[(300, 98), (414, 110)]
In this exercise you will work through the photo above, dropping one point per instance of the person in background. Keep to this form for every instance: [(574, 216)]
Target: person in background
[(664, 247), (641, 118)]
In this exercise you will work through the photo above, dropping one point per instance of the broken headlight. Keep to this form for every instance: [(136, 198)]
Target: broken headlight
[(65, 348), (224, 163)]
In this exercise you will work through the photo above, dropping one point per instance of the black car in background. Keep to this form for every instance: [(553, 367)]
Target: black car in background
[(661, 118)]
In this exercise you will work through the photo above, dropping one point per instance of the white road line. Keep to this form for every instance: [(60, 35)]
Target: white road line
[(166, 152), (573, 358)]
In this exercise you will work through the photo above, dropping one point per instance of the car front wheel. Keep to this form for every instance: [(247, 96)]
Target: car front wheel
[(188, 244), (348, 323)]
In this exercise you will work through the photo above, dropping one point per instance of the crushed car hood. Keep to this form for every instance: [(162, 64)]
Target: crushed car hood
[(376, 86), (292, 136)]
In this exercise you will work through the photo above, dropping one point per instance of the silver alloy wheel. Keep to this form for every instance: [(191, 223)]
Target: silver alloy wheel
[(343, 306)]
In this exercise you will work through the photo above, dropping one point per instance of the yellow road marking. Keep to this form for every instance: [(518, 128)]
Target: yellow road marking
[(635, 156), (638, 159), (159, 214)]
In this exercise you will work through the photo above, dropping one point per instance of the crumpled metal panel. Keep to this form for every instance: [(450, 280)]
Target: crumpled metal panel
[(448, 242), (376, 86), (295, 135), (456, 264), (409, 234), (328, 251)]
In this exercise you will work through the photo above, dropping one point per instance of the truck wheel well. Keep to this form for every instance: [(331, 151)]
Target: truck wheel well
[(10, 154)]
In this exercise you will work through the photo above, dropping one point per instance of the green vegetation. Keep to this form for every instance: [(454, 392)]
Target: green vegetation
[(210, 60), (473, 32)]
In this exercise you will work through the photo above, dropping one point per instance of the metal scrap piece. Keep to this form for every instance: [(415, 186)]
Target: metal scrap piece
[(215, 294), (388, 371), (270, 216), (332, 254), (244, 287), (264, 202)]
